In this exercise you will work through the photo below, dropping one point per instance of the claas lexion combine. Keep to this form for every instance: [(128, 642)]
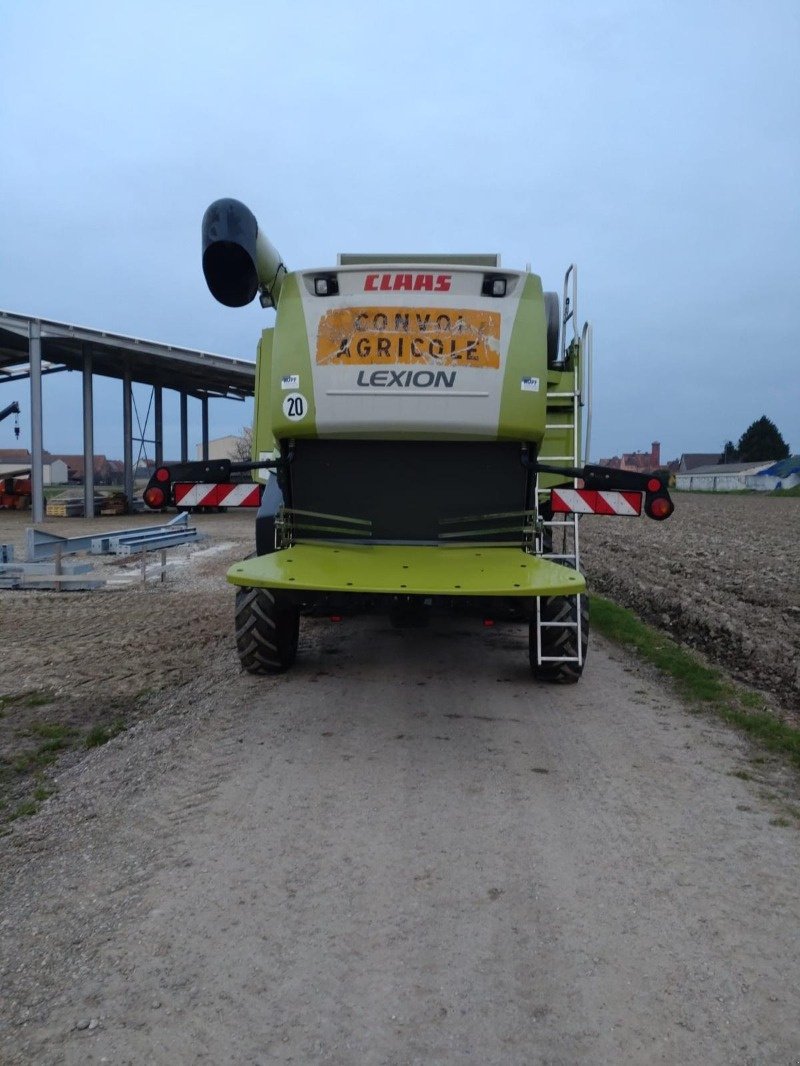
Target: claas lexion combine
[(418, 433)]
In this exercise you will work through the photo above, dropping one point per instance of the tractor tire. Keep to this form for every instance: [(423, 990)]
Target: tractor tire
[(557, 641), (267, 630)]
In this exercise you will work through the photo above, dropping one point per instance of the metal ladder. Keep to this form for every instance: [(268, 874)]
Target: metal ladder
[(564, 539)]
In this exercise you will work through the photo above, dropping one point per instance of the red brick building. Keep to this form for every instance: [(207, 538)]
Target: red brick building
[(643, 462)]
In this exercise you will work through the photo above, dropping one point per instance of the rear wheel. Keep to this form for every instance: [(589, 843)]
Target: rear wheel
[(267, 630), (560, 640)]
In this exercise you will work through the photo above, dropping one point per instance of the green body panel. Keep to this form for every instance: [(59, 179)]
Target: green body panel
[(408, 570), (290, 356), (263, 440), (522, 411)]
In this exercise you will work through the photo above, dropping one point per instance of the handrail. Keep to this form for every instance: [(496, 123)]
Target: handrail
[(570, 306), (587, 345)]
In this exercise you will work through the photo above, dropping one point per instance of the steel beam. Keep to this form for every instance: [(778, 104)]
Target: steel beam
[(204, 414), (158, 421), (37, 458), (184, 428), (127, 431), (88, 437)]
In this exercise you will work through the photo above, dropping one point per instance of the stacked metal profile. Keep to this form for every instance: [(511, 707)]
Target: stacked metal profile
[(43, 567)]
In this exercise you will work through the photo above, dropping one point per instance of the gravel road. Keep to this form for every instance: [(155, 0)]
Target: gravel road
[(403, 852)]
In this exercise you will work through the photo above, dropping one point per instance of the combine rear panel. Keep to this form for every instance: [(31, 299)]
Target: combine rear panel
[(413, 415)]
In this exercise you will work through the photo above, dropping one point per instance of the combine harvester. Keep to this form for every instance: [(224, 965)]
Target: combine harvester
[(418, 429)]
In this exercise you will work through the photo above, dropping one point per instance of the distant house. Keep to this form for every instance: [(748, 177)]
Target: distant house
[(692, 460), (77, 469), (221, 448), (54, 471), (782, 475), (643, 462), (15, 457), (719, 477)]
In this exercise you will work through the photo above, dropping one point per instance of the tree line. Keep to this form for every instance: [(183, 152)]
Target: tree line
[(761, 440)]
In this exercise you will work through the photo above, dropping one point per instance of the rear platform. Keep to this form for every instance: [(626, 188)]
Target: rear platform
[(408, 571)]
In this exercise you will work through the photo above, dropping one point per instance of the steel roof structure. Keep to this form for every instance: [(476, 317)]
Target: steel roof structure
[(31, 347), (149, 362)]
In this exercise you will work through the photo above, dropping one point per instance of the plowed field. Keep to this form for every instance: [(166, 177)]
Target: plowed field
[(722, 575)]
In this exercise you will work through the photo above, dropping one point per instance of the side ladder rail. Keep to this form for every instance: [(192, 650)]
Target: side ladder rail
[(566, 527)]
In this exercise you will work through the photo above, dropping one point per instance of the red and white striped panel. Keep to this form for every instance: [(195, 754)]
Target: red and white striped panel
[(595, 501), (192, 494)]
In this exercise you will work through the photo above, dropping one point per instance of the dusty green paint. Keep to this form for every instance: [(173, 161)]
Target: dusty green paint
[(522, 414), (263, 439), (408, 570), (291, 355)]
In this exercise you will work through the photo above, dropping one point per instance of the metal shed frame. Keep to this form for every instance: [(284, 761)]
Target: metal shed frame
[(31, 347)]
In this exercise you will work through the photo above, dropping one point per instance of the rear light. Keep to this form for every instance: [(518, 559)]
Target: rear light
[(162, 474), (494, 285), (654, 485), (326, 285), (154, 497), (336, 618), (488, 623), (659, 508)]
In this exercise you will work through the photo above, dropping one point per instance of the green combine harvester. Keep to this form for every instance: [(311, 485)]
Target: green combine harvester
[(418, 429)]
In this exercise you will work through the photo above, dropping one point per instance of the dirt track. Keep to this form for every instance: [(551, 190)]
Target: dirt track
[(406, 853), (402, 852)]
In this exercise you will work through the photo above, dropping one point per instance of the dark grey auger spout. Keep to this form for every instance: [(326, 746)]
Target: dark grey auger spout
[(238, 260)]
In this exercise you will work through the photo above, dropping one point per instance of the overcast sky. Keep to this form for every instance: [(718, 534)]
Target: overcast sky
[(655, 144)]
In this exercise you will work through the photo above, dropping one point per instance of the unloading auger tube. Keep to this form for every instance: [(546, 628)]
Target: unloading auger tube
[(418, 428), (238, 260)]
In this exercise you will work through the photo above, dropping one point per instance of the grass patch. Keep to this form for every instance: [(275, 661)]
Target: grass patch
[(54, 738), (51, 731), (101, 734), (698, 684), (36, 699), (26, 699), (42, 792), (44, 755), (24, 810), (34, 737)]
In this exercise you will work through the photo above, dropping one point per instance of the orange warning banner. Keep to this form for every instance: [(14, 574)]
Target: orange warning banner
[(372, 336)]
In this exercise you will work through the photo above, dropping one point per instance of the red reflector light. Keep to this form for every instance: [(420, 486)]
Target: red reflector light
[(336, 618), (154, 497), (654, 485), (660, 507), (488, 623), (162, 474)]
